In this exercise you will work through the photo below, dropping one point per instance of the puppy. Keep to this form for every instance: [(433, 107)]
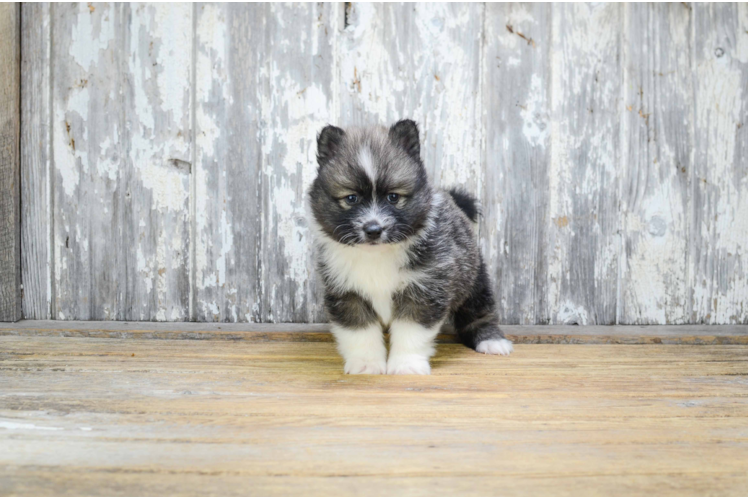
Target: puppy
[(395, 254)]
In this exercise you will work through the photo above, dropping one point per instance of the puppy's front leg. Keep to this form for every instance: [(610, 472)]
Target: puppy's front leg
[(362, 349), (411, 346)]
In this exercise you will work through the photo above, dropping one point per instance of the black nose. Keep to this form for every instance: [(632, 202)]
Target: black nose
[(373, 230)]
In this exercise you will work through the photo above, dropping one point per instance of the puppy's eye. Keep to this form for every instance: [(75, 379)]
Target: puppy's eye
[(393, 197), (351, 199)]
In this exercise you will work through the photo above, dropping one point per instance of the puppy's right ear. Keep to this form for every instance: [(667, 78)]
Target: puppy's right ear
[(329, 142)]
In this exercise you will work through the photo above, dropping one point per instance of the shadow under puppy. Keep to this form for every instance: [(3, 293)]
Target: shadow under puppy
[(395, 254)]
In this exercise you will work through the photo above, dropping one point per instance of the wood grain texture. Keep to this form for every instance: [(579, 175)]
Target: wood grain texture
[(421, 61), (227, 177), (97, 416), (656, 164), (266, 71), (121, 129), (583, 243), (10, 176), (164, 173), (516, 117), (297, 101), (719, 182), (158, 96), (90, 161), (36, 161)]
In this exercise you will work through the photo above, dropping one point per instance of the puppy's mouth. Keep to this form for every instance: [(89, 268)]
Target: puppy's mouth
[(375, 242)]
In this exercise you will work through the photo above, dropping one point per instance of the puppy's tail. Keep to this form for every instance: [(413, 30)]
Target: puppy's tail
[(466, 202)]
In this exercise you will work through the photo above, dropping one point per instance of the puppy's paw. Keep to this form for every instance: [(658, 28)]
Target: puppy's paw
[(408, 365), (360, 366), (495, 346)]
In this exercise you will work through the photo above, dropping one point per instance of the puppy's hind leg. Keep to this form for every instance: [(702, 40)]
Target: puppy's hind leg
[(485, 336), (476, 322)]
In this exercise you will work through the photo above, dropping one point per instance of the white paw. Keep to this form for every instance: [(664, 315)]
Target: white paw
[(360, 366), (495, 346), (410, 365)]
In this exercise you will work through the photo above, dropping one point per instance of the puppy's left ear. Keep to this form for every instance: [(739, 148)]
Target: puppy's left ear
[(405, 134)]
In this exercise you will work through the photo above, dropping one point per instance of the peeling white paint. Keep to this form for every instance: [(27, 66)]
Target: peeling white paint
[(107, 164), (227, 244), (69, 160), (175, 54), (720, 261), (432, 77), (107, 157), (450, 111), (145, 270), (160, 62), (578, 181), (571, 314), (362, 61), (66, 165), (656, 290), (741, 21), (212, 48), (299, 157), (89, 39), (153, 150), (167, 184), (533, 113), (654, 197)]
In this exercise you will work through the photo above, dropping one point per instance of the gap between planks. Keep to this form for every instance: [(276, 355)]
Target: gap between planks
[(319, 332)]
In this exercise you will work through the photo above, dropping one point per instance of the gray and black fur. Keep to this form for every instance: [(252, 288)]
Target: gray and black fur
[(435, 226)]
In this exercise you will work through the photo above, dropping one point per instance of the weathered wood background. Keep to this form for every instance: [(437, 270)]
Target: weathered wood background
[(166, 150), (10, 178)]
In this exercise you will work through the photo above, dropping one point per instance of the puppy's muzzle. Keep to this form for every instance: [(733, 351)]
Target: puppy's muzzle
[(373, 231)]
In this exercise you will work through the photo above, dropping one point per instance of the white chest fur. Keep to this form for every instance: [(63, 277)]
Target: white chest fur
[(375, 272)]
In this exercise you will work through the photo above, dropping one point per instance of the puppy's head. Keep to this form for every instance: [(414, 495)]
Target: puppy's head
[(371, 187)]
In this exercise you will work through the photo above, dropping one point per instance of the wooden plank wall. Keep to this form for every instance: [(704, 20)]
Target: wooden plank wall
[(166, 150), (10, 178)]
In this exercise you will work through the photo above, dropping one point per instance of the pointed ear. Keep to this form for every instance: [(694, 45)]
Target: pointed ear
[(405, 134), (329, 141)]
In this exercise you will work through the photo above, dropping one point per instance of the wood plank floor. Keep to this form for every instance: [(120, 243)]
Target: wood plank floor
[(113, 416)]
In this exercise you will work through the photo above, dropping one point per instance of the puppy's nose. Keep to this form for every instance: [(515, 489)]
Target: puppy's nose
[(373, 230)]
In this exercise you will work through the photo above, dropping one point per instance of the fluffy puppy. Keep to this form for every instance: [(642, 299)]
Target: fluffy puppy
[(395, 254)]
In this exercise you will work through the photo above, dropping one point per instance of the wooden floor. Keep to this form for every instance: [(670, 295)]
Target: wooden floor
[(274, 415)]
